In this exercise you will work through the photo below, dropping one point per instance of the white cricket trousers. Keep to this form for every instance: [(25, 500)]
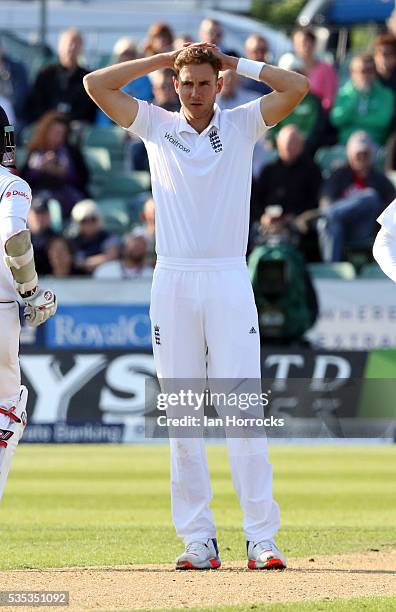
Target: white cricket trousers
[(10, 376), (202, 312)]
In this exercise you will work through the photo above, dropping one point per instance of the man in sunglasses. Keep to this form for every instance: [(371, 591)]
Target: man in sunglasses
[(352, 198)]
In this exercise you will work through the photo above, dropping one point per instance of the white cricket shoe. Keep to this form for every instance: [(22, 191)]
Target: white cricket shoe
[(264, 555), (200, 555)]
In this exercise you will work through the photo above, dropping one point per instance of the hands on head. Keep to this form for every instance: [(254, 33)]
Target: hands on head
[(227, 62)]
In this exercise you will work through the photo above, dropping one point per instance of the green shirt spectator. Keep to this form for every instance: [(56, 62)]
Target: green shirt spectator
[(308, 117), (363, 103)]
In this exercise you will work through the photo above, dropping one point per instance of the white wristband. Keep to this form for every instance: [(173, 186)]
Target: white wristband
[(249, 68)]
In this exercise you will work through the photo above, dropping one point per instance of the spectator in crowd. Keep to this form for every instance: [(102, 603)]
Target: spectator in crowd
[(166, 97), (59, 86), (39, 223), (164, 91), (211, 31), (291, 182), (60, 257), (93, 244), (231, 94), (322, 76), (352, 198), (182, 39), (123, 51), (159, 39), (363, 103), (53, 165), (13, 88), (385, 59), (308, 116), (256, 48), (133, 260)]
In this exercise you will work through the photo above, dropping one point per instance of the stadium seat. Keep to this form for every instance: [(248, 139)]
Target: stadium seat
[(20, 155), (372, 271), (359, 254), (115, 214), (342, 270), (391, 174), (125, 185), (109, 137), (26, 133), (55, 211), (97, 159), (330, 158), (99, 165), (32, 54)]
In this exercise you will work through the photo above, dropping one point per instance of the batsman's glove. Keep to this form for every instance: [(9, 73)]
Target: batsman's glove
[(40, 305)]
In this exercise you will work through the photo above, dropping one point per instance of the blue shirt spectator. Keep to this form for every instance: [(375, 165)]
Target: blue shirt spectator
[(256, 48), (124, 50)]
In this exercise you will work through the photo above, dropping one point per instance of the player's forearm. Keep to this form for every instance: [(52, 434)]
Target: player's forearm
[(117, 76), (283, 80), (279, 80)]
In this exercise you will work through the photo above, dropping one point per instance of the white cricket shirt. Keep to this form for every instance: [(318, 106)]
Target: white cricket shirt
[(388, 219), (201, 183), (15, 199)]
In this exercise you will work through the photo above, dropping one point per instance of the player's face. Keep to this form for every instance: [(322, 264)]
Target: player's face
[(197, 87)]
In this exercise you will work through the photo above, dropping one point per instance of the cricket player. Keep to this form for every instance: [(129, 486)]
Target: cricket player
[(18, 280), (203, 313), (384, 249)]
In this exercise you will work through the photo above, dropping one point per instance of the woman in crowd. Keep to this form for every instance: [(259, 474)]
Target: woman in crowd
[(53, 164), (159, 39), (322, 76), (60, 257)]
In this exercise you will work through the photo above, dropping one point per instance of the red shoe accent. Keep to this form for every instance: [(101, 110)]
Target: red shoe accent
[(270, 564), (185, 565), (274, 564), (2, 443)]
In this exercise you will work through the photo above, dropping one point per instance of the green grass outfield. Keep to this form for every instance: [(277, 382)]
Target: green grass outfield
[(102, 505), (356, 604)]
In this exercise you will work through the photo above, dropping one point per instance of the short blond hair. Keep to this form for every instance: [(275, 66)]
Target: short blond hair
[(197, 55)]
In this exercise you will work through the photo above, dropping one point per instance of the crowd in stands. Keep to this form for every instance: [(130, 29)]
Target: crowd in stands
[(328, 167)]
